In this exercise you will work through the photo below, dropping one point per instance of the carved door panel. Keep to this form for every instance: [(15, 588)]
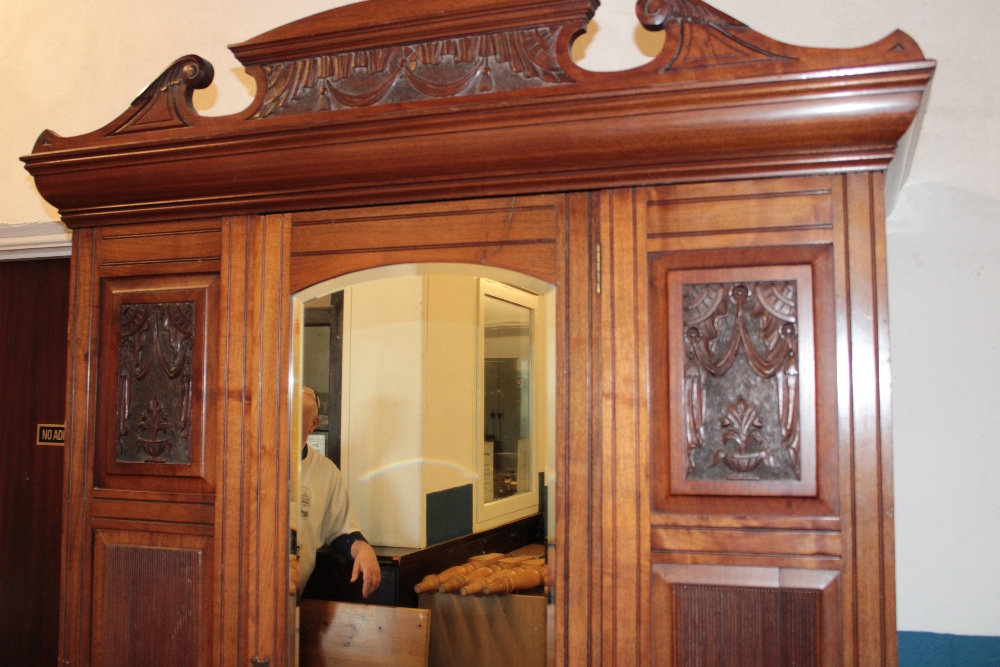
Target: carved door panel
[(750, 385)]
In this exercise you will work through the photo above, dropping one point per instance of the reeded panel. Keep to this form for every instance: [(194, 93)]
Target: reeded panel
[(154, 376), (742, 377), (751, 627), (707, 615), (150, 591)]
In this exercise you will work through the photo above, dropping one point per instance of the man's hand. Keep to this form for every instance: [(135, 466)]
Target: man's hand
[(365, 564)]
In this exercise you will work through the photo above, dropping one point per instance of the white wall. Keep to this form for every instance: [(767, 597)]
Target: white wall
[(75, 66)]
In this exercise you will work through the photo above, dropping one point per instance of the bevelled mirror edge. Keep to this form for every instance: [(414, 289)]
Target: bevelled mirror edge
[(448, 280)]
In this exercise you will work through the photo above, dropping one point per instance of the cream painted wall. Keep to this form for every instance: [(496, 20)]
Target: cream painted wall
[(409, 411), (75, 66), (382, 424), (450, 382)]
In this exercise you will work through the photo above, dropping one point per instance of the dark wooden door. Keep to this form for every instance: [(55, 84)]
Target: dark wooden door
[(34, 303)]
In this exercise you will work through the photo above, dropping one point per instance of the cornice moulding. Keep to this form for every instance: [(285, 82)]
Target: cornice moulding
[(720, 102), (34, 240)]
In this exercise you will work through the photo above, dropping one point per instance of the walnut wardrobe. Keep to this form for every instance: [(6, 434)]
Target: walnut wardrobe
[(712, 221)]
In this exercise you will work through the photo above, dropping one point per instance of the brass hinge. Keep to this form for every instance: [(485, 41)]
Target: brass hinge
[(260, 662), (597, 266)]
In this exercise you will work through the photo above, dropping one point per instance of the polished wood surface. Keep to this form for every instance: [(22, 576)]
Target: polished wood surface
[(489, 630), (806, 534), (130, 528), (461, 131), (354, 635), (34, 305)]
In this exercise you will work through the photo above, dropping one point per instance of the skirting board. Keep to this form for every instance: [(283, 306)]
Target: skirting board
[(929, 649)]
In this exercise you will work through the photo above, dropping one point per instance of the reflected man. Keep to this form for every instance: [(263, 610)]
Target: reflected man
[(326, 515)]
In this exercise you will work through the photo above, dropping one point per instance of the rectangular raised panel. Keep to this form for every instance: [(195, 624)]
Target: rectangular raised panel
[(703, 383), (154, 373), (743, 206), (150, 591), (752, 627), (517, 233), (762, 542), (172, 242), (151, 510), (499, 221), (747, 616), (742, 381)]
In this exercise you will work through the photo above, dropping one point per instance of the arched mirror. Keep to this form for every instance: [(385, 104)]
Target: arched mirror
[(437, 402)]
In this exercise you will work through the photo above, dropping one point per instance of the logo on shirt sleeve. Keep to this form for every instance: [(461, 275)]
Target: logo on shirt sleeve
[(305, 502)]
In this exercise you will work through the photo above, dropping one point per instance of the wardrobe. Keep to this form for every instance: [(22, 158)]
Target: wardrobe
[(712, 223)]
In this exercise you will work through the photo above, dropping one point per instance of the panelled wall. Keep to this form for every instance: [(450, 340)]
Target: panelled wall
[(174, 415), (739, 347), (744, 354), (736, 332), (34, 305)]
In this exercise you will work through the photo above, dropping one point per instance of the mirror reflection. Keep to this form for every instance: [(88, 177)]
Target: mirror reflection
[(435, 387)]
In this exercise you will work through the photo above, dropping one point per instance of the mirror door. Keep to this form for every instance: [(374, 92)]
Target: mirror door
[(529, 261)]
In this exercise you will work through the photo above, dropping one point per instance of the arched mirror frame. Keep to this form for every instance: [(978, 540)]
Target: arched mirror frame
[(542, 216), (547, 238), (166, 203)]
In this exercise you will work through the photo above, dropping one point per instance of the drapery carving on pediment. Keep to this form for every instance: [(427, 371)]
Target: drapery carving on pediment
[(451, 67)]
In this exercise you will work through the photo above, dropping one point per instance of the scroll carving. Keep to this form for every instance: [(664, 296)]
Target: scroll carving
[(155, 383), (700, 35), (740, 388), (166, 103), (452, 67)]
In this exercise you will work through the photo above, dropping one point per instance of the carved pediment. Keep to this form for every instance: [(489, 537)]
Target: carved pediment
[(449, 67), (493, 83)]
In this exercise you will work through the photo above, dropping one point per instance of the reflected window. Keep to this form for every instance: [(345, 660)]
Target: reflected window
[(506, 379)]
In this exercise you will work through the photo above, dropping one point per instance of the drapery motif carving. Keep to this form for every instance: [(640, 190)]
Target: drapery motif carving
[(155, 383), (450, 67), (740, 390)]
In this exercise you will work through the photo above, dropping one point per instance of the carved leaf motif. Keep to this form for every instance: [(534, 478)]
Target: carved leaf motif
[(741, 420), (154, 419)]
